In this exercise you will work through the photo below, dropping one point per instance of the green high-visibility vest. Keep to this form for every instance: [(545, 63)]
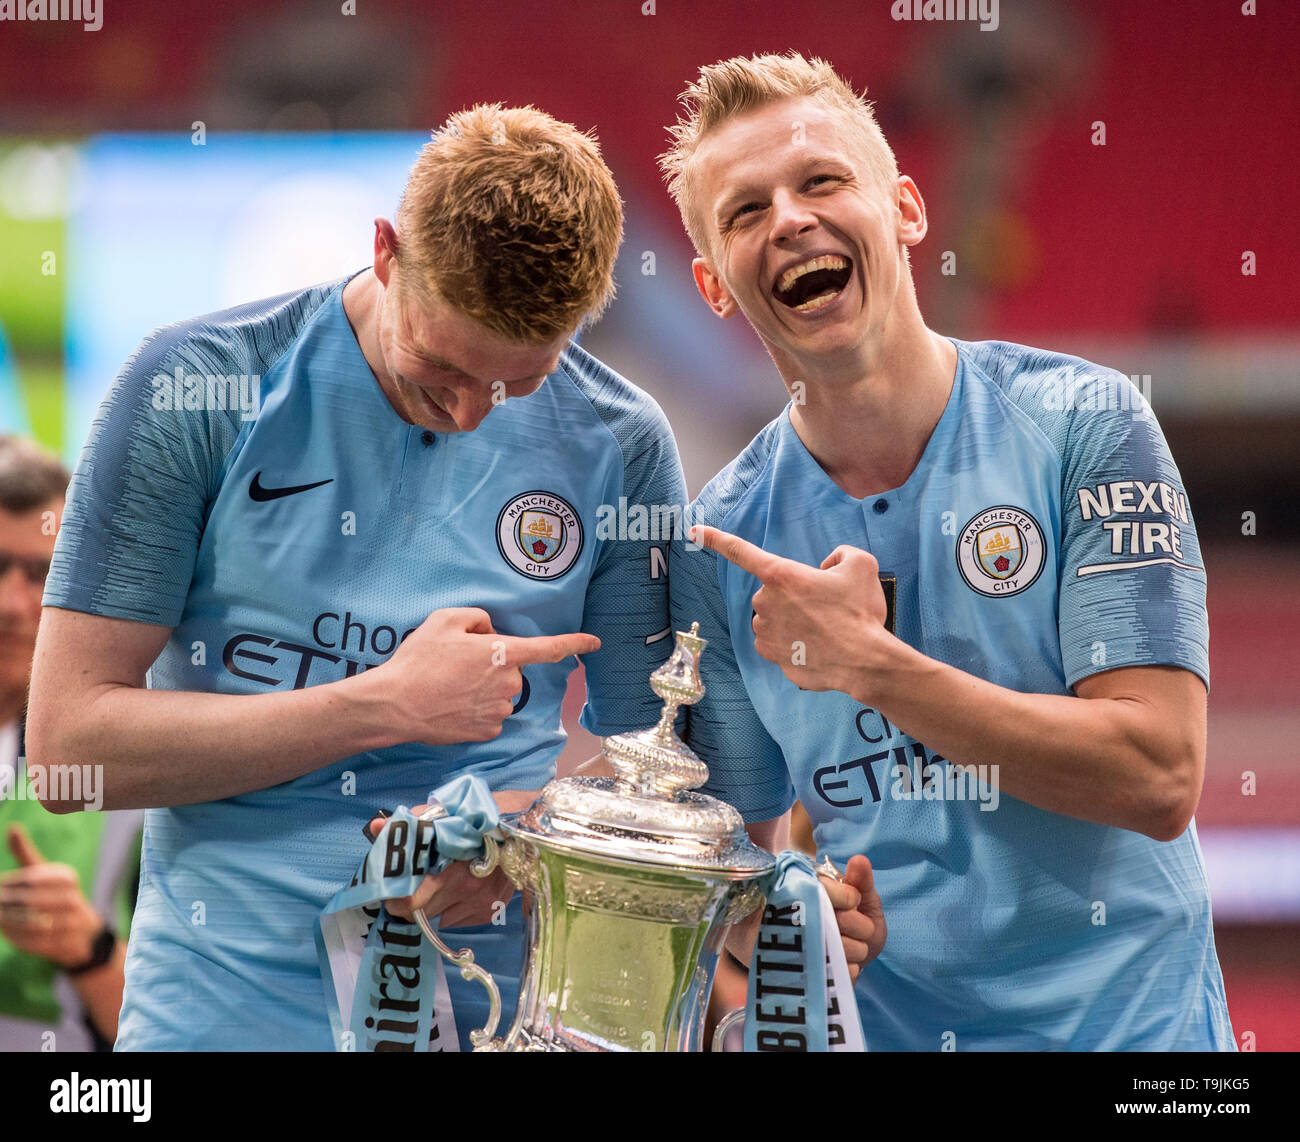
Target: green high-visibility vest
[(77, 839)]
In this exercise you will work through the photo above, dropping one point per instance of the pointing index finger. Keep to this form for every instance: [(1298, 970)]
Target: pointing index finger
[(522, 651), (759, 563)]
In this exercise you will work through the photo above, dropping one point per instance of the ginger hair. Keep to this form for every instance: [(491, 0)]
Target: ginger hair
[(513, 218)]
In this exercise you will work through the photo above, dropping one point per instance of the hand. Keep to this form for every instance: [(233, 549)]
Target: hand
[(817, 625), (858, 914), (42, 909), (456, 894), (454, 679)]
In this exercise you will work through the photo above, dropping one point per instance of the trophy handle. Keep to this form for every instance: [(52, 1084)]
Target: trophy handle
[(464, 959), (484, 865), (725, 1024)]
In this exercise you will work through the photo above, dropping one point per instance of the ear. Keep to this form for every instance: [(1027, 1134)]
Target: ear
[(912, 224), (712, 289), (385, 250)]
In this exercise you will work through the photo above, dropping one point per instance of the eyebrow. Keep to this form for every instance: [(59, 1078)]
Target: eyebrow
[(461, 372), (752, 190), (439, 362), (736, 198)]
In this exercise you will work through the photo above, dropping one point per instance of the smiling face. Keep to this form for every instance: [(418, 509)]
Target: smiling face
[(444, 371), (801, 236)]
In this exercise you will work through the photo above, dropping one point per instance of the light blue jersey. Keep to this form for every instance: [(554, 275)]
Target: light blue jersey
[(1043, 537), (294, 538)]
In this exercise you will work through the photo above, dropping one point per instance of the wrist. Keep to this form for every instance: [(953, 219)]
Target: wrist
[(375, 719), (514, 800), (102, 947), (741, 938), (877, 667)]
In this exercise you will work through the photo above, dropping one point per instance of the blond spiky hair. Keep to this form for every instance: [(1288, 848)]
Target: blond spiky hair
[(513, 218), (734, 86)]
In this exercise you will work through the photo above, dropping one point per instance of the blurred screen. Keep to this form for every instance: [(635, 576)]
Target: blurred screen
[(174, 230)]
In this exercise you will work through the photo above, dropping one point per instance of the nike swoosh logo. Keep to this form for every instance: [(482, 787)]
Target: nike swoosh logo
[(261, 494)]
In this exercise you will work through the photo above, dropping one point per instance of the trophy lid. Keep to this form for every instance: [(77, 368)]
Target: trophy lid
[(649, 813)]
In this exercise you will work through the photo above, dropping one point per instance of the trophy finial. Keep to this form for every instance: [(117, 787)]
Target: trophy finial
[(677, 681), (656, 760)]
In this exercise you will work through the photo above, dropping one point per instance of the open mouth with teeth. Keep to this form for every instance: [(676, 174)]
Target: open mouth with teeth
[(814, 283)]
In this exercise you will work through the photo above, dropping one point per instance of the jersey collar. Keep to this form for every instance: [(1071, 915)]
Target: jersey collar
[(940, 445)]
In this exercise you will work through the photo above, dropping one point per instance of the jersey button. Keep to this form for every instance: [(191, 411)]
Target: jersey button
[(880, 507), (426, 437)]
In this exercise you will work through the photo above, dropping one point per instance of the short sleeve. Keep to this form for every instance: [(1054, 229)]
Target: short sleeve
[(138, 499), (627, 597), (746, 766), (1132, 578)]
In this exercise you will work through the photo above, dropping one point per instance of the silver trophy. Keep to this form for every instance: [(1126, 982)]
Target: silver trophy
[(629, 886)]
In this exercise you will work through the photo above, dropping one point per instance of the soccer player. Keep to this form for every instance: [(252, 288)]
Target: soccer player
[(376, 580), (957, 606)]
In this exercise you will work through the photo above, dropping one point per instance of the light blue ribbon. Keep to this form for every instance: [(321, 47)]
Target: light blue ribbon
[(786, 1010), (394, 1003)]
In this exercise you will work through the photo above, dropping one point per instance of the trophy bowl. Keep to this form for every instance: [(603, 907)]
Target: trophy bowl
[(629, 885)]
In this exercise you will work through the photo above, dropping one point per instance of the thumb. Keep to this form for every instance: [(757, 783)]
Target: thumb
[(847, 554), (858, 873), (473, 620), (837, 557), (24, 851)]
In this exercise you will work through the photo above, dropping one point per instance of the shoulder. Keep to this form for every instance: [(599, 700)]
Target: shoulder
[(636, 425), (211, 363), (1048, 388), (739, 480), (244, 339), (628, 411)]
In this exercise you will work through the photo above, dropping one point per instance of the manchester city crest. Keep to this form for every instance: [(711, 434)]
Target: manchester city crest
[(539, 535), (1000, 551)]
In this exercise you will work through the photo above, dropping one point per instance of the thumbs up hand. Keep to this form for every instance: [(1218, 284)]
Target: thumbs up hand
[(42, 909), (23, 848)]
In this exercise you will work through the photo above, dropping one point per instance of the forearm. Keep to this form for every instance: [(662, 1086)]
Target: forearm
[(452, 679), (1107, 760), (160, 747), (100, 992)]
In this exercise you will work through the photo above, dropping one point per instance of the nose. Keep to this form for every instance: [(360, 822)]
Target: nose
[(15, 595), (468, 409), (790, 215)]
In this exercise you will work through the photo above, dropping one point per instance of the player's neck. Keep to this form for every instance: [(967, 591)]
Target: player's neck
[(868, 424), (360, 307)]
